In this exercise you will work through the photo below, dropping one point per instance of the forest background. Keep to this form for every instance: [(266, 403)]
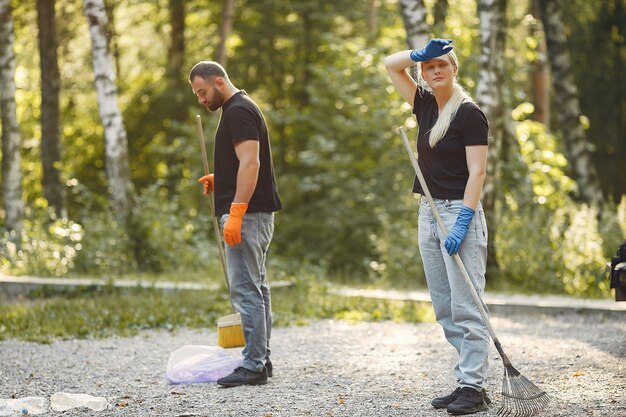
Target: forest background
[(100, 155)]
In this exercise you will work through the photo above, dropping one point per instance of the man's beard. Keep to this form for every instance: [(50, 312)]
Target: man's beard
[(218, 100)]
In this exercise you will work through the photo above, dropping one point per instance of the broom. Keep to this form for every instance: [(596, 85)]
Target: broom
[(229, 328), (520, 397)]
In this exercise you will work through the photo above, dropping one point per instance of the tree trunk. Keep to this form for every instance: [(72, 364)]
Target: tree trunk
[(374, 12), (440, 11), (226, 26), (50, 86), (540, 79), (11, 171), (416, 27), (176, 93), (116, 144), (414, 17), (176, 53), (577, 146), (490, 98)]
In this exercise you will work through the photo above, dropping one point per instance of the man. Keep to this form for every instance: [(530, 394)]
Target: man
[(246, 198)]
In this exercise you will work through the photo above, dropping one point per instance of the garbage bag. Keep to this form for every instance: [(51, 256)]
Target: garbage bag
[(198, 363)]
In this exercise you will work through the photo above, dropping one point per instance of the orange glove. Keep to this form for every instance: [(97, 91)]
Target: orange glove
[(208, 183), (232, 227)]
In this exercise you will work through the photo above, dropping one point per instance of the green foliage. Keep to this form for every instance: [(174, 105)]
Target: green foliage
[(546, 241), (315, 68), (46, 248), (107, 311)]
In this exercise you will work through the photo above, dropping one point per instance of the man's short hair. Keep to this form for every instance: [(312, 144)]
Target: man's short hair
[(206, 70)]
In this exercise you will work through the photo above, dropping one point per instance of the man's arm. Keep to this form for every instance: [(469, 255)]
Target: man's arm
[(248, 154)]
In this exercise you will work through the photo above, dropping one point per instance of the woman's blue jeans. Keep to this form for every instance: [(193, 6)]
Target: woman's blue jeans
[(455, 309), (249, 288)]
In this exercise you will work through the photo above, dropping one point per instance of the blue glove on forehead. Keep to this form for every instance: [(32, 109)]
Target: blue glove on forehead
[(434, 48)]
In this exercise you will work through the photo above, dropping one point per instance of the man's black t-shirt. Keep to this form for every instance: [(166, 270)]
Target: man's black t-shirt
[(242, 120), (445, 166)]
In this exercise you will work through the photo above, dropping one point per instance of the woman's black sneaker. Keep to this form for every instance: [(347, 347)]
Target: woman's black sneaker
[(469, 401), (443, 402)]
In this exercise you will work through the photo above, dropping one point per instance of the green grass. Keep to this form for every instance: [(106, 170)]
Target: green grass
[(106, 311)]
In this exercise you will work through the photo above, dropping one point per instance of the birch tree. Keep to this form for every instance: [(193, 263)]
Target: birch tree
[(577, 147), (490, 98), (116, 143), (414, 18), (417, 29), (53, 189), (11, 172)]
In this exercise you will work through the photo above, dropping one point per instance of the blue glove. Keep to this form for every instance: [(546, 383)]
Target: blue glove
[(457, 234), (434, 48)]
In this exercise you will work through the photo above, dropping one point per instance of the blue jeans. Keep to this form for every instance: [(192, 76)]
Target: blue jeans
[(455, 309), (249, 288)]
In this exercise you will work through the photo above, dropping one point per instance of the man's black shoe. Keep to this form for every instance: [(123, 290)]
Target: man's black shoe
[(243, 376), (469, 401), (270, 368), (443, 402)]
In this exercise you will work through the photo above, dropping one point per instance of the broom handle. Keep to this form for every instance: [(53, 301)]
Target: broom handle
[(456, 256), (216, 229)]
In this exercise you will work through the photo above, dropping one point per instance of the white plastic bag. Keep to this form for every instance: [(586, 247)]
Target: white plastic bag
[(19, 406), (197, 363), (61, 401)]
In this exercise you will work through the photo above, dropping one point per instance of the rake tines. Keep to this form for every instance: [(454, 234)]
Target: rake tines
[(520, 397)]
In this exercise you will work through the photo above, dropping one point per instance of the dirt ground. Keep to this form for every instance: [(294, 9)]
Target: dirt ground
[(334, 368)]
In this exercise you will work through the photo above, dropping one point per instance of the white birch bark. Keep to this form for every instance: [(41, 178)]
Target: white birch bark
[(116, 143), (490, 99), (577, 146), (416, 27), (414, 17), (11, 172)]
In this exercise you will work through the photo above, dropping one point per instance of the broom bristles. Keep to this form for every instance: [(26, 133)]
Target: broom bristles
[(230, 332), (520, 397)]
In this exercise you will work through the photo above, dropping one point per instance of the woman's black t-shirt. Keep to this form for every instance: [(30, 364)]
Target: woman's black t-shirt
[(445, 166), (242, 120)]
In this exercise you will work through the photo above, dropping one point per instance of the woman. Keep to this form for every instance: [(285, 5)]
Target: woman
[(452, 147)]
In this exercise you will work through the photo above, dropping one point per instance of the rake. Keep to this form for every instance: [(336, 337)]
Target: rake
[(229, 328), (520, 397)]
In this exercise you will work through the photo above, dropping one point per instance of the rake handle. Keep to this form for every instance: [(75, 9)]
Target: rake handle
[(456, 257), (216, 229)]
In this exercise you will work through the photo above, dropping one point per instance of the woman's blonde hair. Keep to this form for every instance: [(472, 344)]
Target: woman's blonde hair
[(458, 97)]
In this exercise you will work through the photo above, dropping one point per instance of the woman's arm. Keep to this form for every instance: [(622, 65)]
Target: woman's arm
[(476, 157), (396, 66)]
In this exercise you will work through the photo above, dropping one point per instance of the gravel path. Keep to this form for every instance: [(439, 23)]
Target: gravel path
[(332, 369)]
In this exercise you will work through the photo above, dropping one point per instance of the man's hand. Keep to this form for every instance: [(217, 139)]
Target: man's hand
[(232, 227), (207, 180), (457, 234), (434, 48)]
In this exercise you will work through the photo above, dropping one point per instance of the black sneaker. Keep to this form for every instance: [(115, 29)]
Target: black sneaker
[(443, 402), (243, 376), (469, 401), (270, 368)]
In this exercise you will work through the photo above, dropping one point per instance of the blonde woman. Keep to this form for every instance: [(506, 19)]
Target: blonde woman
[(452, 147)]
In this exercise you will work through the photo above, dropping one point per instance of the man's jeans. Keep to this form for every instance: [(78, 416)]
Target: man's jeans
[(249, 288), (453, 304)]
